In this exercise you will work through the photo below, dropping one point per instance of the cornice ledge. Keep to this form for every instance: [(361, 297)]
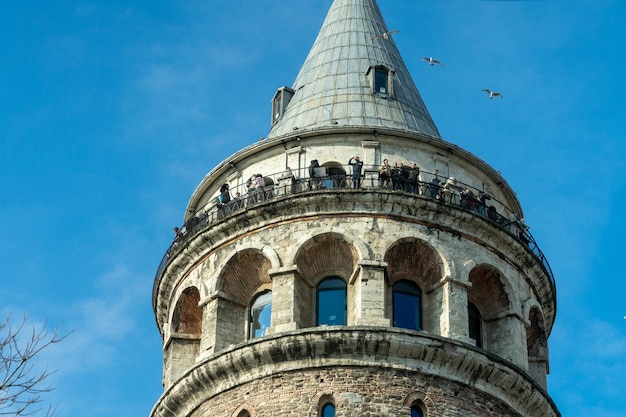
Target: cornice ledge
[(362, 346)]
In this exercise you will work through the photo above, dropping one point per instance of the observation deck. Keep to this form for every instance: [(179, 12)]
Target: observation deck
[(439, 204)]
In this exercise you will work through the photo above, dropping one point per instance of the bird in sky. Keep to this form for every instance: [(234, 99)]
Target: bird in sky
[(385, 35), (492, 94), (432, 61)]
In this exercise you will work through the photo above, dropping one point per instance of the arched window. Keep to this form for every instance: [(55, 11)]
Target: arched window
[(187, 317), (331, 302), (328, 410), (475, 324), (244, 413), (416, 411), (260, 315), (407, 305)]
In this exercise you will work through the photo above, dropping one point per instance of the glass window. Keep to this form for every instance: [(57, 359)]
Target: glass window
[(416, 412), (276, 108), (381, 81), (331, 302), (328, 410), (407, 305), (260, 315), (475, 324)]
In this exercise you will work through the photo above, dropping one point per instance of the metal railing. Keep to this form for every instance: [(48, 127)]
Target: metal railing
[(445, 190)]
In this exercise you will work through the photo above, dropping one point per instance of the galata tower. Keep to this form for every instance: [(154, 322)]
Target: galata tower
[(353, 262)]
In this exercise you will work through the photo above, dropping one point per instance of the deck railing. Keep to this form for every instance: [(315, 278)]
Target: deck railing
[(445, 190)]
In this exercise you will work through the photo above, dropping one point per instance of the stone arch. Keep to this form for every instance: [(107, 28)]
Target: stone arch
[(527, 306), (183, 345), (223, 260), (266, 250), (196, 278), (471, 266), (244, 411), (362, 251), (488, 291), (414, 260), (187, 314), (243, 275), (327, 253), (322, 256), (537, 346), (320, 399), (416, 397), (488, 294), (447, 265), (466, 268)]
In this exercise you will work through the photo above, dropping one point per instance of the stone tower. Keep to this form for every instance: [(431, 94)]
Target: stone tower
[(330, 288)]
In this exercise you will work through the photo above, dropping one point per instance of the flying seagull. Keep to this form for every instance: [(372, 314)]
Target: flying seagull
[(492, 94), (432, 61), (385, 35)]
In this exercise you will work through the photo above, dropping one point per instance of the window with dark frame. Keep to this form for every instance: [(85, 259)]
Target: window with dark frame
[(331, 302), (475, 324), (381, 80), (407, 305)]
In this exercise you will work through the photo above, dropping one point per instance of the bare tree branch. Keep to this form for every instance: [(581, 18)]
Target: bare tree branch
[(21, 382)]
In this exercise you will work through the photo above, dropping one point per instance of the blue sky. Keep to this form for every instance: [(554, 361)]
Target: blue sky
[(112, 112)]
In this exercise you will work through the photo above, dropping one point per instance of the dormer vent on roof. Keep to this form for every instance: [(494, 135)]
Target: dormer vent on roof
[(381, 80), (280, 101)]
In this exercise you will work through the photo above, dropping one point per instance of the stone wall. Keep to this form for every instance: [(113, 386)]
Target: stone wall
[(363, 392)]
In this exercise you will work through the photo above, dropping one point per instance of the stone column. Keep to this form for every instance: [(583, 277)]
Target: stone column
[(453, 318), (223, 323), (371, 160), (506, 337), (290, 295), (209, 325), (368, 282)]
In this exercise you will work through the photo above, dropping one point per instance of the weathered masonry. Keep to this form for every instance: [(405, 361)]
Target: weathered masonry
[(331, 289)]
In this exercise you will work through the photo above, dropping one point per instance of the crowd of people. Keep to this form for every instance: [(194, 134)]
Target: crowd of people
[(398, 176)]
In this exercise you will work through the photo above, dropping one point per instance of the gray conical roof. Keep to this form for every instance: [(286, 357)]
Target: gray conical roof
[(335, 87)]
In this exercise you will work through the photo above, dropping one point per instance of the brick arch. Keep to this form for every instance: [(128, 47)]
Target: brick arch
[(500, 329), (414, 259), (320, 399), (488, 291), (418, 397), (243, 274), (362, 251), (187, 314), (328, 253), (244, 411)]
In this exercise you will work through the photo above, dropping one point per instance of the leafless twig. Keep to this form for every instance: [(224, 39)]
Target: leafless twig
[(21, 383)]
